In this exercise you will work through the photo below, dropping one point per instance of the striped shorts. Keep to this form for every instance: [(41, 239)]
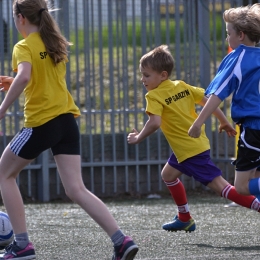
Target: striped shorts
[(60, 134), (248, 154)]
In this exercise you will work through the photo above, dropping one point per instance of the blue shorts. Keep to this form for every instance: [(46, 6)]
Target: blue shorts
[(61, 134), (200, 167)]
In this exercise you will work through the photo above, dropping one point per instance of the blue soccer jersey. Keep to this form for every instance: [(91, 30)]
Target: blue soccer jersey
[(239, 73)]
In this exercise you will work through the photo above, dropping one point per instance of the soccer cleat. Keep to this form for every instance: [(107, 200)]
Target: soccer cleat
[(125, 251), (15, 252), (177, 225)]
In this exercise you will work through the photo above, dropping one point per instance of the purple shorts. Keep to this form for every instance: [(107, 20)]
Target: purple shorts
[(200, 167)]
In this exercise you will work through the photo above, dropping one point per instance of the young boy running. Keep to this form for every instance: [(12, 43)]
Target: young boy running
[(239, 73), (171, 107)]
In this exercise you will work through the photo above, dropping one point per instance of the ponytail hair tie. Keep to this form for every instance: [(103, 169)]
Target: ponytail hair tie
[(41, 10)]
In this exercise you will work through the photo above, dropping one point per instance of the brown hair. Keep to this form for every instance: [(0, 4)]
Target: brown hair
[(245, 19), (37, 13), (159, 59)]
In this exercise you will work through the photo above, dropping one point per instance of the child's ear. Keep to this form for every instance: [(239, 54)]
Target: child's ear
[(164, 75), (241, 35), (21, 19)]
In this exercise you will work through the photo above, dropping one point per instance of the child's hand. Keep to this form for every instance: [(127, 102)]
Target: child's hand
[(5, 82), (132, 138), (231, 132), (194, 131)]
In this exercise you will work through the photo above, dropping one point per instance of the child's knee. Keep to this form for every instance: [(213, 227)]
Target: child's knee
[(242, 189), (168, 176)]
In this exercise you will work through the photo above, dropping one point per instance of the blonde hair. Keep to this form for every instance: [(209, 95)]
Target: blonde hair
[(159, 59), (37, 13), (245, 19)]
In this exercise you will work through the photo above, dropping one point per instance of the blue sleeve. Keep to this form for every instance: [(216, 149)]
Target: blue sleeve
[(225, 81)]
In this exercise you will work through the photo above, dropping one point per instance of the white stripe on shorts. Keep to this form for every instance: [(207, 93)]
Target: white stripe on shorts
[(21, 140), (248, 145)]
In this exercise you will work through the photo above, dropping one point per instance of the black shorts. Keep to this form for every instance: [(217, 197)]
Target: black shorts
[(61, 134), (248, 154)]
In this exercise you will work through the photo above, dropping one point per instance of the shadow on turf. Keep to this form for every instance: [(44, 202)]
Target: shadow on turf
[(241, 248)]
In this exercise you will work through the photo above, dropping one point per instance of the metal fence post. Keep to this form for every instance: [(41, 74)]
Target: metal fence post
[(204, 51)]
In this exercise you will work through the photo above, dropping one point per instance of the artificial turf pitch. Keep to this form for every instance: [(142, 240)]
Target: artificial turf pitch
[(63, 231)]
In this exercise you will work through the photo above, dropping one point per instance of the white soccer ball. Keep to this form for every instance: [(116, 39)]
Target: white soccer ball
[(6, 230)]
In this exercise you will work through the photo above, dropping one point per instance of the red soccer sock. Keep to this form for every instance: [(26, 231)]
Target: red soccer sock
[(251, 202), (178, 193)]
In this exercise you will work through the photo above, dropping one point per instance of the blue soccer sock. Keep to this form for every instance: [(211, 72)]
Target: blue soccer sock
[(254, 187)]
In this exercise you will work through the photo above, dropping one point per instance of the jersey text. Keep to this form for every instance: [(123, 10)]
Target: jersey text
[(176, 97)]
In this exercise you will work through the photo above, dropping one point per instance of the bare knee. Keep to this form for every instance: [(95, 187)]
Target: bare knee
[(242, 189), (167, 176), (242, 180), (169, 173), (73, 192)]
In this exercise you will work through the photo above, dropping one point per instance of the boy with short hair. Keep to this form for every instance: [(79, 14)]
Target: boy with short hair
[(238, 74), (171, 107)]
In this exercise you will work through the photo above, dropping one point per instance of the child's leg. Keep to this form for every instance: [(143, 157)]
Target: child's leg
[(226, 190), (67, 157), (252, 184), (246, 183), (170, 176), (10, 167), (69, 168)]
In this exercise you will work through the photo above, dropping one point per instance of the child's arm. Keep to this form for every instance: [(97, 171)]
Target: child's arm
[(17, 86), (152, 124), (211, 107)]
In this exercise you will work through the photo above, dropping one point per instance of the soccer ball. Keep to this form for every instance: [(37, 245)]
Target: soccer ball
[(6, 230)]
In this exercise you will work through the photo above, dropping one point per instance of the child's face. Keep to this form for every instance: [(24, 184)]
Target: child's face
[(151, 79), (233, 38)]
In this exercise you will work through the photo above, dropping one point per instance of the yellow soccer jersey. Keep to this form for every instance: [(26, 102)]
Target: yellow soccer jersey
[(174, 102), (46, 95)]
